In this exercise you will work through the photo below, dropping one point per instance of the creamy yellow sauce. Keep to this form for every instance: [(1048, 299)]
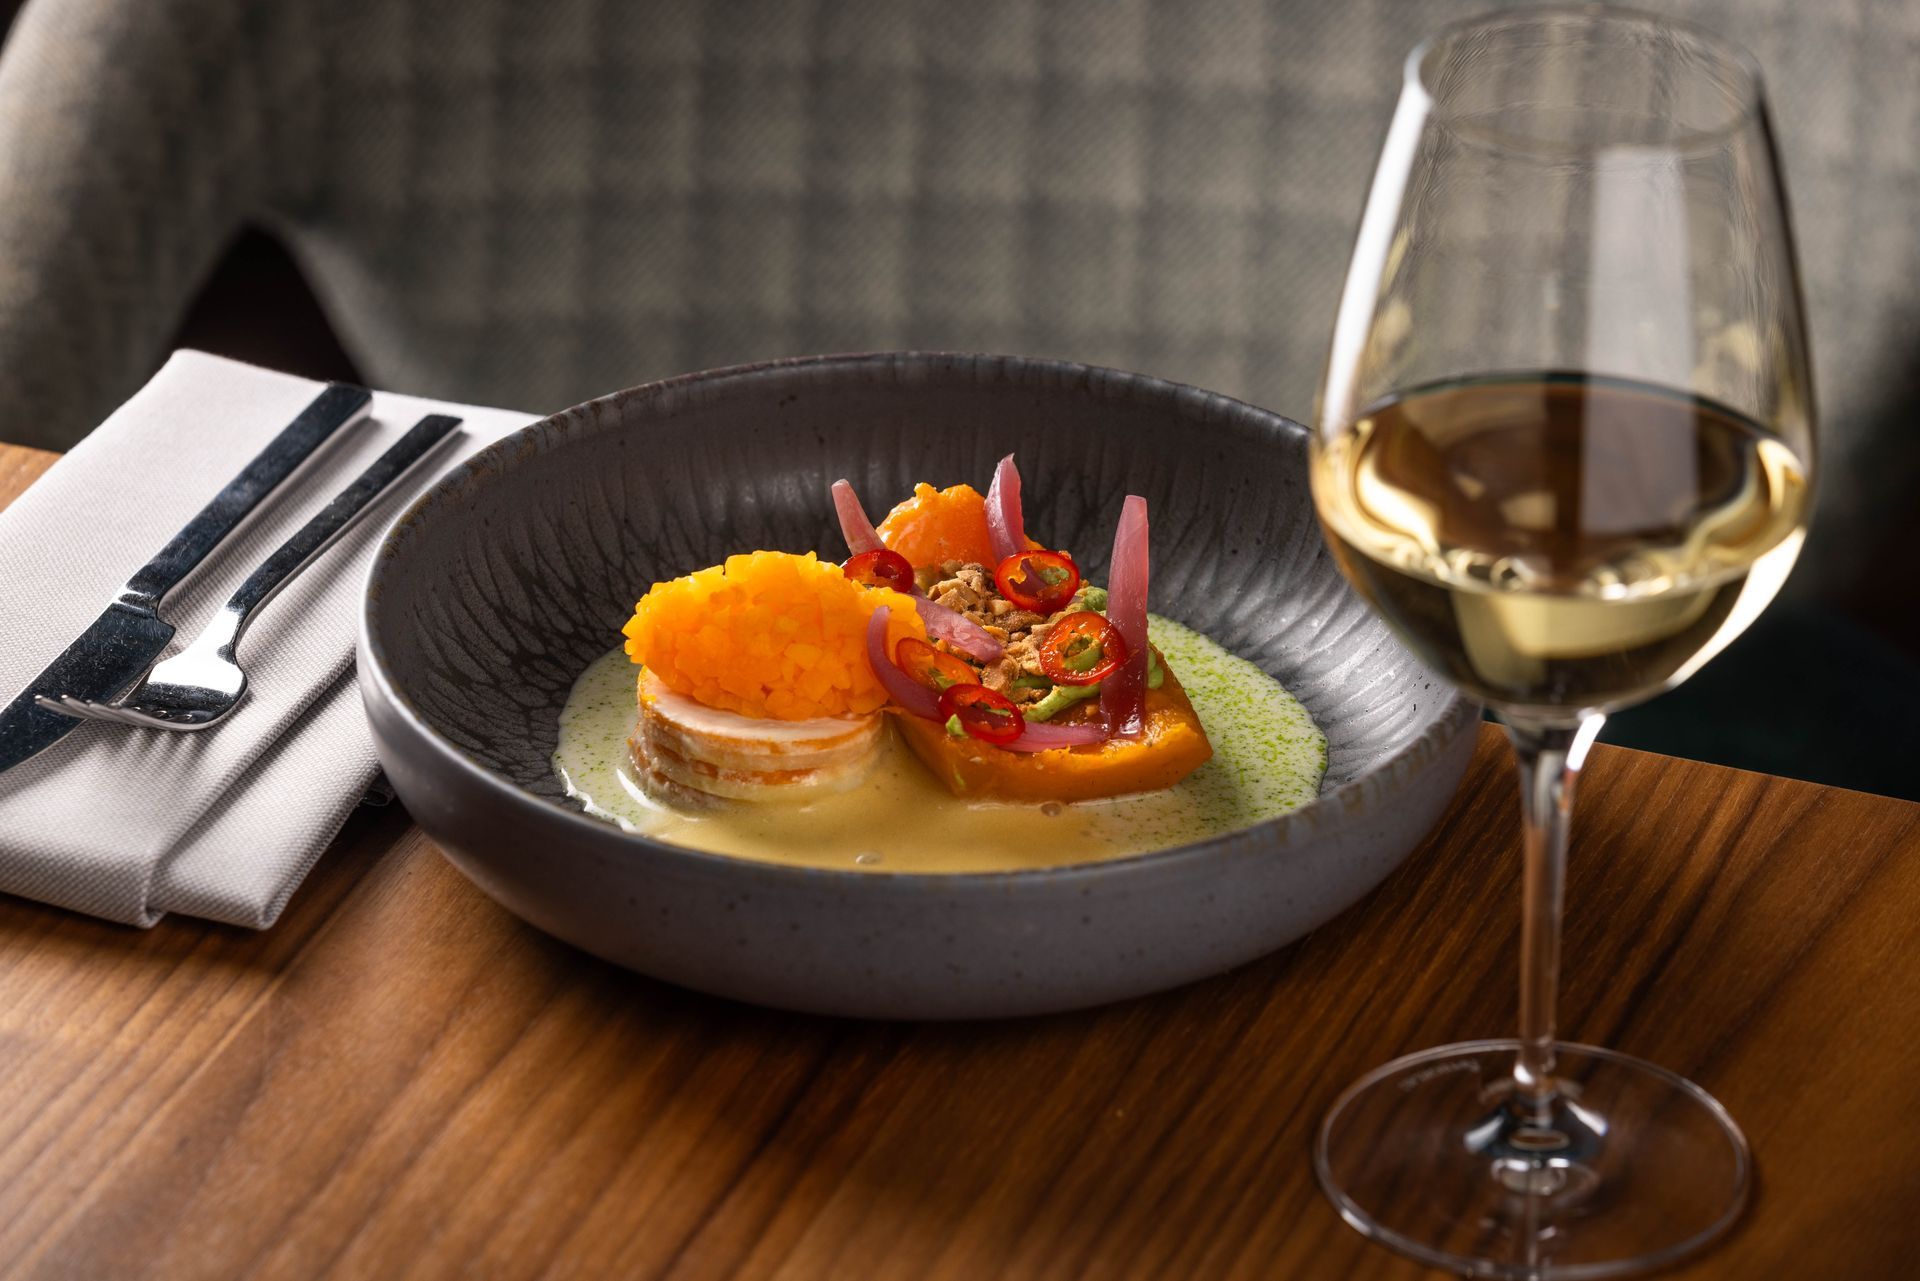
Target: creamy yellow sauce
[(1268, 758)]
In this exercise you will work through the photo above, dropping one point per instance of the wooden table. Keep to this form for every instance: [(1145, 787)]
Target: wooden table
[(402, 1079)]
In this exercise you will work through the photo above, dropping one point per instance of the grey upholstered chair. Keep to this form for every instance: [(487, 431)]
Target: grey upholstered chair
[(530, 202)]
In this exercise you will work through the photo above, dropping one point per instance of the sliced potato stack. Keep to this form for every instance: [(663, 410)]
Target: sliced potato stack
[(691, 755)]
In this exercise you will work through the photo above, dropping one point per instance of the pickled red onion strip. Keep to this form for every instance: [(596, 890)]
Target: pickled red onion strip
[(959, 631), (901, 688), (1041, 737), (1006, 527), (854, 525), (1123, 695)]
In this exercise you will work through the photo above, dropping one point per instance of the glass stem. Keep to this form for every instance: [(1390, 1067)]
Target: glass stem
[(1549, 757)]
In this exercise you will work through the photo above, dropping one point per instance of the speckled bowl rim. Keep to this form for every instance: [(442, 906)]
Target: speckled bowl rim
[(492, 463)]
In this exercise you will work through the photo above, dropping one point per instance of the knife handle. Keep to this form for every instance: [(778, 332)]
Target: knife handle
[(335, 407)]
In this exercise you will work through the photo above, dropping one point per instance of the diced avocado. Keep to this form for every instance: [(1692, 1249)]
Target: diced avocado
[(1093, 598), (1083, 654), (953, 726), (1061, 697), (1058, 700)]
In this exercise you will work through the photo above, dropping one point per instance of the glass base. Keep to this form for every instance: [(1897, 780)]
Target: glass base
[(1628, 1168)]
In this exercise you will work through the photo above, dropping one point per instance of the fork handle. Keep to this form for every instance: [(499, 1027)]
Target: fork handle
[(335, 407), (333, 520)]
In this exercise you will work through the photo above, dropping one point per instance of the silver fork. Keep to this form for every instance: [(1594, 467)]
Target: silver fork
[(202, 684)]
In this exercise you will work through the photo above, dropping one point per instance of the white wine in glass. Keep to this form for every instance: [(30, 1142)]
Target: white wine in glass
[(1565, 448), (1532, 560)]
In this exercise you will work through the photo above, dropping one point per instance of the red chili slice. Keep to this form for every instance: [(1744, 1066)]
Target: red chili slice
[(881, 567), (1082, 649), (984, 714), (934, 668), (1040, 581)]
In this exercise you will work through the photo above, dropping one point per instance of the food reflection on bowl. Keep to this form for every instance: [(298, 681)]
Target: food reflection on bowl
[(504, 583)]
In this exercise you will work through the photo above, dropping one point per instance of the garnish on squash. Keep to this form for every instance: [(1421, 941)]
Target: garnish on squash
[(1171, 746), (1082, 648), (881, 567), (934, 668), (1030, 728), (1041, 581), (982, 713)]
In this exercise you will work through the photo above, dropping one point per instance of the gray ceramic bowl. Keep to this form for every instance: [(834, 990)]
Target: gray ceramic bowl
[(498, 586)]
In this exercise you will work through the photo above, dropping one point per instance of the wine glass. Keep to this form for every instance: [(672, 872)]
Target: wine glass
[(1564, 448)]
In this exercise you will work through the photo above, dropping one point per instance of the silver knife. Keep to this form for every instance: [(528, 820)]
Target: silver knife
[(126, 640)]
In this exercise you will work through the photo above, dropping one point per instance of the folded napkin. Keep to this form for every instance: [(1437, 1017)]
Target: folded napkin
[(224, 823)]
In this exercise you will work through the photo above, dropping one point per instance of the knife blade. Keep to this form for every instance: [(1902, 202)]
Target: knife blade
[(109, 657), (129, 637)]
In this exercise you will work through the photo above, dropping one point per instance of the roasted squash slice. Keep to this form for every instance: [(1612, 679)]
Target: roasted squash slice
[(1173, 747)]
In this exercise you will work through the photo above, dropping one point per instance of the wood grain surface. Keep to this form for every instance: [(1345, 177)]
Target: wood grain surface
[(400, 1079)]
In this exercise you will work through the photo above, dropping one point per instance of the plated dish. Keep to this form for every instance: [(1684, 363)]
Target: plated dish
[(515, 573), (955, 696)]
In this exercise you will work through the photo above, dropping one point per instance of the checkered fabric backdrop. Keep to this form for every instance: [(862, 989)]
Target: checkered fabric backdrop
[(529, 204)]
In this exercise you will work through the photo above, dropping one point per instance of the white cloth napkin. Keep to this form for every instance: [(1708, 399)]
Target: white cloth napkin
[(224, 823)]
